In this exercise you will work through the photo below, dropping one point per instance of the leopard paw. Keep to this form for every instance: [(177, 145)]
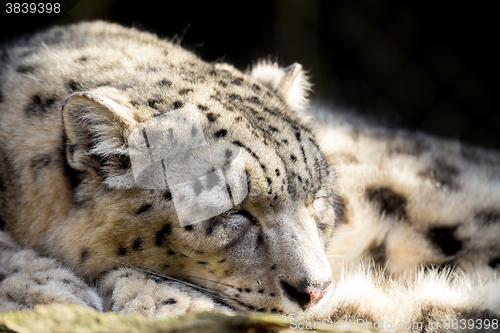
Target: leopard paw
[(129, 291), (27, 279)]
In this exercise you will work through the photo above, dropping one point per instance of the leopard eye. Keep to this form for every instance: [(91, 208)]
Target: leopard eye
[(229, 212), (248, 216), (241, 212)]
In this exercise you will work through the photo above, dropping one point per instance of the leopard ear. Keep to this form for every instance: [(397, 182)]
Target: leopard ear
[(291, 82), (96, 125)]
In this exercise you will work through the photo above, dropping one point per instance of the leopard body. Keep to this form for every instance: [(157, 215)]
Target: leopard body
[(338, 210)]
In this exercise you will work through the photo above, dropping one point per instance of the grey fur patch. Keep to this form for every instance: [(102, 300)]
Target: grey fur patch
[(40, 162), (292, 186), (444, 238), (478, 155), (39, 106), (340, 208), (488, 216), (165, 83), (480, 317), (25, 69), (443, 174), (378, 253), (345, 313), (184, 92), (238, 81), (388, 201), (429, 314), (410, 145), (55, 38)]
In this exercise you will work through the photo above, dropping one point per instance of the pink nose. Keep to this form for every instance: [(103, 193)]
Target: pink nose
[(315, 295)]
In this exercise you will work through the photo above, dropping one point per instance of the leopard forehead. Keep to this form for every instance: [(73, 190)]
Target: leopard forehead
[(279, 148), (149, 77)]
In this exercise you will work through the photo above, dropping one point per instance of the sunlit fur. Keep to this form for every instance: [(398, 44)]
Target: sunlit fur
[(405, 225)]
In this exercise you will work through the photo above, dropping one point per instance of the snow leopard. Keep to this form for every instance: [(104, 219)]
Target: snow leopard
[(336, 218)]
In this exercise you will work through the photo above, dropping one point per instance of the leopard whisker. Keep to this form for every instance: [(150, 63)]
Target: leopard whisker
[(212, 293), (200, 278), (206, 290)]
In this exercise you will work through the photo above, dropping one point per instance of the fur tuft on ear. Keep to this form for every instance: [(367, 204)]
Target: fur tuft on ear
[(96, 125), (291, 82)]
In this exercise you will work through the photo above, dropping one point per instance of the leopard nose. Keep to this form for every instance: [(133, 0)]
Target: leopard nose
[(316, 295), (308, 296)]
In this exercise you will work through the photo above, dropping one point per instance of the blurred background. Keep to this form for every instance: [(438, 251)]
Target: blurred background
[(430, 66)]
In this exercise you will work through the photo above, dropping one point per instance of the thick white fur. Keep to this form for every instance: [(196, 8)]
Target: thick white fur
[(362, 293), (403, 291)]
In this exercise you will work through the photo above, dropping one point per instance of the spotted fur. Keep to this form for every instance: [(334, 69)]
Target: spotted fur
[(418, 239), (387, 216)]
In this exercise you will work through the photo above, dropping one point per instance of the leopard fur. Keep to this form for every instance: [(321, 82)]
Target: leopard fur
[(69, 192), (344, 218)]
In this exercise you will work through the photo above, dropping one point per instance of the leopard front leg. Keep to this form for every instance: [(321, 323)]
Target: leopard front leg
[(27, 279), (129, 290)]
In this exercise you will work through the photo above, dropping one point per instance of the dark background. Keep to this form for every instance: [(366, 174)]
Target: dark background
[(431, 66)]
